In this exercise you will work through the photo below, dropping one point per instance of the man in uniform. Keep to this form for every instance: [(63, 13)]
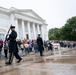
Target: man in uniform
[(13, 49), (40, 45)]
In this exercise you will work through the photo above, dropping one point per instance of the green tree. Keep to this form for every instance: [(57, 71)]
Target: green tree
[(54, 34), (68, 31)]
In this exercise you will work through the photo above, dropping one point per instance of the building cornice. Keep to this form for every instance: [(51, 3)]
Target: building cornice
[(27, 16), (4, 10), (30, 10), (18, 11)]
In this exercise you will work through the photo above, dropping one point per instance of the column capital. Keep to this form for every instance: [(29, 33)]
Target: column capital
[(28, 21), (22, 20), (33, 23), (15, 18), (37, 24)]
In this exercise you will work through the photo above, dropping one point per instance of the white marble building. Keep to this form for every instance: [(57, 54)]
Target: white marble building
[(28, 24)]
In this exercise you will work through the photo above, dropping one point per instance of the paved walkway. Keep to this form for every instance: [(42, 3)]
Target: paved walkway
[(46, 65)]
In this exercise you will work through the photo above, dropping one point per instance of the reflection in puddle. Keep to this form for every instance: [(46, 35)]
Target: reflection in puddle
[(32, 72), (25, 72), (60, 59), (71, 60), (64, 59), (40, 66), (12, 72)]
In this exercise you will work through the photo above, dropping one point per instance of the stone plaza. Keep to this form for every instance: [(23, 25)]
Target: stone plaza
[(49, 64)]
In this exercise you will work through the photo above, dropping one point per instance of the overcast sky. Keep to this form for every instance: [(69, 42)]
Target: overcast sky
[(55, 12)]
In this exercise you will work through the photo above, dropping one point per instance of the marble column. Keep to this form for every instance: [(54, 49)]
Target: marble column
[(12, 19), (16, 28), (38, 28), (46, 33), (42, 32), (29, 31), (34, 31), (23, 29)]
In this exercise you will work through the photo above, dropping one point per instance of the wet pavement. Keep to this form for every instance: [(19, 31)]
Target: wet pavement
[(49, 64)]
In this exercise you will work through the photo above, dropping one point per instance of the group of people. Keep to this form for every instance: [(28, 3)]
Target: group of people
[(68, 44), (12, 44), (28, 46)]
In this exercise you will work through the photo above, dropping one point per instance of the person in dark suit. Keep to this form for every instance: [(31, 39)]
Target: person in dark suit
[(13, 49), (40, 45)]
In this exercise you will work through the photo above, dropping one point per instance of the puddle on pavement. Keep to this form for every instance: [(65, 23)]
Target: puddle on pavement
[(11, 72), (6, 69), (65, 59), (69, 60), (42, 67), (25, 72), (45, 68), (33, 72)]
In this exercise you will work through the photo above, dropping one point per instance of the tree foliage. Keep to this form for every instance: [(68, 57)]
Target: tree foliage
[(54, 34), (67, 32)]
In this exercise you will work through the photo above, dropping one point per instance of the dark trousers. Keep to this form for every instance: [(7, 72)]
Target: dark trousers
[(5, 52), (41, 52), (11, 55), (0, 53), (40, 48)]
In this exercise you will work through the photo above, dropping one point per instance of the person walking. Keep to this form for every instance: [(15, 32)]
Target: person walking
[(40, 45), (6, 49), (1, 45), (13, 49)]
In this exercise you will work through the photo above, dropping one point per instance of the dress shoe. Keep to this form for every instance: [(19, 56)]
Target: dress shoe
[(7, 63), (19, 60), (41, 55)]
